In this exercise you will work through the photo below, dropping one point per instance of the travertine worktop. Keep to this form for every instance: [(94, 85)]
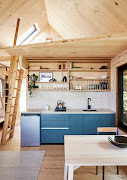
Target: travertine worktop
[(69, 111)]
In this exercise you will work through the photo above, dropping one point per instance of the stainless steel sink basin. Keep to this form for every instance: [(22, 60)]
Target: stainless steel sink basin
[(89, 110)]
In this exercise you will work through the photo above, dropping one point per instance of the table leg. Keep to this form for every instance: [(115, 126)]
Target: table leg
[(70, 173), (117, 170), (96, 170), (65, 172), (103, 173)]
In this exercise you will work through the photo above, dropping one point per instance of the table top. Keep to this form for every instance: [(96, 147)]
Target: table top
[(92, 150)]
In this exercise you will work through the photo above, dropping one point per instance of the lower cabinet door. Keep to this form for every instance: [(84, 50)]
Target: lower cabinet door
[(108, 120), (91, 123), (75, 122), (53, 135)]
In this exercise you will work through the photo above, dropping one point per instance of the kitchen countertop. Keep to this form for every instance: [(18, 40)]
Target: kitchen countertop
[(68, 111)]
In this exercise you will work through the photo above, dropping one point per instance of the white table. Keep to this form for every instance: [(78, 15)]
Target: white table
[(91, 150)]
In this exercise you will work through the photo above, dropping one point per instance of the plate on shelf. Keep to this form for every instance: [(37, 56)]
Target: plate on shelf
[(119, 141), (91, 78)]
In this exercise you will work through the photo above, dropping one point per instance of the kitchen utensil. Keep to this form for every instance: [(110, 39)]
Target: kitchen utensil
[(77, 88), (63, 109), (80, 87), (47, 107), (119, 141), (103, 67), (91, 78), (64, 79), (60, 104), (103, 76)]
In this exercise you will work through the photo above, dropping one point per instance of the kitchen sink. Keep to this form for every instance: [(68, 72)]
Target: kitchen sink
[(89, 110)]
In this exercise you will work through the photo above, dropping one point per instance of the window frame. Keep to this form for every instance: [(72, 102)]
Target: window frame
[(120, 96)]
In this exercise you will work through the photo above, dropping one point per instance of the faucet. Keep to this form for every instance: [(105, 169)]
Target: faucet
[(89, 106)]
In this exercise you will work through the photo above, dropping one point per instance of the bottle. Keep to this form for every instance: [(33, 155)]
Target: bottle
[(64, 79)]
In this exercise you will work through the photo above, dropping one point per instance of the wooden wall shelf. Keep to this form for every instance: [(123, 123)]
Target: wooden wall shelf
[(48, 70), (36, 89), (89, 70), (49, 82), (87, 85), (90, 80)]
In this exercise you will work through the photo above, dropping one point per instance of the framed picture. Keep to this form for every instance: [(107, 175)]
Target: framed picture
[(45, 76)]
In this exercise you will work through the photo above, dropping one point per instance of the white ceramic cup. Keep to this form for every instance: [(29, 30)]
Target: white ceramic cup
[(47, 107), (77, 87), (80, 87)]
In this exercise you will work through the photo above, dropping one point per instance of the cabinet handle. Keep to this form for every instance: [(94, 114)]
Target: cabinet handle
[(54, 128)]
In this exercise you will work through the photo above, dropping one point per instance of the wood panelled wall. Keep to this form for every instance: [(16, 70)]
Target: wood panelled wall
[(115, 63)]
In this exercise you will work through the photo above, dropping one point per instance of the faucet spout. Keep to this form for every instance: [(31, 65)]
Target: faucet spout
[(89, 106)]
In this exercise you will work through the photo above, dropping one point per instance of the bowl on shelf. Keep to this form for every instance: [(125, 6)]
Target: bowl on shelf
[(119, 141), (104, 77)]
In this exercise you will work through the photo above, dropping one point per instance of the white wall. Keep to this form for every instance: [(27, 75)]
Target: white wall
[(73, 100)]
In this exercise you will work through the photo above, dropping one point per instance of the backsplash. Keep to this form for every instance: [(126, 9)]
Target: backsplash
[(72, 100)]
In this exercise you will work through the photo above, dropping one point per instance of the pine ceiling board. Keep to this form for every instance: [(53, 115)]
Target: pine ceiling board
[(29, 12), (83, 18), (48, 32), (8, 8), (104, 46)]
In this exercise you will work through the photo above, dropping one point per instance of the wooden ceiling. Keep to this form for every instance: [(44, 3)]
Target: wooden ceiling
[(75, 21), (65, 18), (29, 12), (83, 18), (103, 47)]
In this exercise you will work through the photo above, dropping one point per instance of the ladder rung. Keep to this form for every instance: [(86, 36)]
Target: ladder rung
[(17, 88), (11, 130), (18, 79), (13, 105), (13, 114), (11, 123), (13, 98)]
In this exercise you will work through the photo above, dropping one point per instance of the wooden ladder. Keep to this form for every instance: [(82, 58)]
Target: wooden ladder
[(14, 80)]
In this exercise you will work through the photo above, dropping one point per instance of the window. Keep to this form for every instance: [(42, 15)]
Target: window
[(28, 35), (122, 97)]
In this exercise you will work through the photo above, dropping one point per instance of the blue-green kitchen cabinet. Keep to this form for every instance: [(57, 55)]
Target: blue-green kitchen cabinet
[(107, 120), (53, 128), (91, 122), (49, 136), (75, 122)]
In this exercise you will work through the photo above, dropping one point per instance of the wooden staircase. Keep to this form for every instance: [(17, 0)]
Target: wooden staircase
[(14, 80)]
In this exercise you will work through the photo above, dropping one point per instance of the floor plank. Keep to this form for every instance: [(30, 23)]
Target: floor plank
[(53, 164)]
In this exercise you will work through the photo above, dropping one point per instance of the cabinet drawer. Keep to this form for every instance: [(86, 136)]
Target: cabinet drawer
[(53, 135), (54, 124), (56, 117)]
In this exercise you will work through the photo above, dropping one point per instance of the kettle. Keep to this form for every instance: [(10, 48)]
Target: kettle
[(60, 104)]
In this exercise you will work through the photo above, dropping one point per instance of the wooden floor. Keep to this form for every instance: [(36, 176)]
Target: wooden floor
[(53, 164)]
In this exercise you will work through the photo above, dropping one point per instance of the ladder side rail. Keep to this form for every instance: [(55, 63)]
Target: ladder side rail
[(9, 102), (17, 101)]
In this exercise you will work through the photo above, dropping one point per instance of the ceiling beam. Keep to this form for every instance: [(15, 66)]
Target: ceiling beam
[(107, 46)]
